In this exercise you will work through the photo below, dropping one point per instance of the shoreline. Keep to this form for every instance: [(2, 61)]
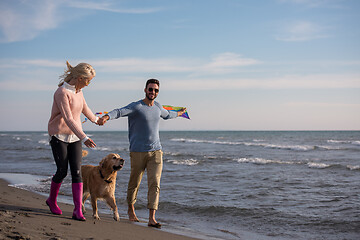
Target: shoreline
[(24, 215)]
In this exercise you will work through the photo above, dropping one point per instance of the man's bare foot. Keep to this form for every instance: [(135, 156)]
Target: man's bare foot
[(132, 215), (157, 225), (152, 221)]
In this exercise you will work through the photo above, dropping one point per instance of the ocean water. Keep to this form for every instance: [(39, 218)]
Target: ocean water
[(223, 185)]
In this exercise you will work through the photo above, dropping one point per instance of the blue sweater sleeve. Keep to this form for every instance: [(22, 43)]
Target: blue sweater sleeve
[(166, 114), (122, 112)]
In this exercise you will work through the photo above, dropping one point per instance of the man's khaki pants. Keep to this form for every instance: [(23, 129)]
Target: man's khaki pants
[(152, 161)]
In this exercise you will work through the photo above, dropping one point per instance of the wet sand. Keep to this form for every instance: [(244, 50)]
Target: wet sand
[(24, 215)]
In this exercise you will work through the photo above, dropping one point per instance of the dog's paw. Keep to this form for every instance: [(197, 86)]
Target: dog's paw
[(96, 217), (116, 217)]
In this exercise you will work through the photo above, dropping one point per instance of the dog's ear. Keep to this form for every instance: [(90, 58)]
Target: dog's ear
[(102, 162)]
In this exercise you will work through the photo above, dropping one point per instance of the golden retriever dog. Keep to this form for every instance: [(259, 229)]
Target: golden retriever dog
[(99, 183)]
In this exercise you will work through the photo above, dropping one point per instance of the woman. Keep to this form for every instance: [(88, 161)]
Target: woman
[(67, 135)]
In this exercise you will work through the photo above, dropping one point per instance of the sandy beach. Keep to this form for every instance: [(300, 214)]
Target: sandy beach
[(24, 215)]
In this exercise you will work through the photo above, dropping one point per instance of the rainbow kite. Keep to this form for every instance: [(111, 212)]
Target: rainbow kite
[(176, 109), (98, 113)]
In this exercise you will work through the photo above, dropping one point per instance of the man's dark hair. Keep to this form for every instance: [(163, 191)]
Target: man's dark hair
[(152, 80)]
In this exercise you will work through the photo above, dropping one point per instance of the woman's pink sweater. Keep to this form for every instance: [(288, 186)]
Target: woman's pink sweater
[(65, 113)]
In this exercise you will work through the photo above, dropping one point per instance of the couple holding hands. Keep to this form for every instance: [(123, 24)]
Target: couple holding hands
[(67, 136)]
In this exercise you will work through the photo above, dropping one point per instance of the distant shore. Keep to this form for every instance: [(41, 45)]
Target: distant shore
[(24, 215)]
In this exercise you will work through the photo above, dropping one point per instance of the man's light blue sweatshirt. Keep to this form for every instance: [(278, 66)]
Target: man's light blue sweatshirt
[(143, 122)]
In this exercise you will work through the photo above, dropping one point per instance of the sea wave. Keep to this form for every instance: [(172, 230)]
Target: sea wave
[(351, 167), (188, 162), (45, 142), (259, 217), (258, 143), (318, 165), (353, 142), (195, 156), (212, 210), (263, 161), (104, 149), (110, 149)]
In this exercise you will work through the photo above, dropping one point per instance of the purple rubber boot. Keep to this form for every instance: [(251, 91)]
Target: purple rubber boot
[(77, 190), (51, 201)]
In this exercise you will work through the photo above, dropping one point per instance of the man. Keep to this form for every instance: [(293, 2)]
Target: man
[(145, 147)]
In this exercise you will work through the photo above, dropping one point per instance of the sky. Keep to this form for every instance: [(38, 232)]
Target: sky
[(235, 64)]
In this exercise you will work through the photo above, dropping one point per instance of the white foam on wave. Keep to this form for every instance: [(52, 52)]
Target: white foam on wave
[(330, 148), (255, 144), (189, 140), (262, 161), (344, 142), (267, 161), (188, 162), (103, 149), (318, 165), (110, 149), (356, 167), (45, 142), (289, 147), (22, 138), (173, 153)]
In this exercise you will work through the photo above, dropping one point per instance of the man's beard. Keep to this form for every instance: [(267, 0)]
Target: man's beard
[(150, 98)]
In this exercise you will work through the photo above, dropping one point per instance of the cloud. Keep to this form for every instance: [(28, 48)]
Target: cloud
[(159, 65), (109, 7), (322, 105), (302, 31), (220, 63), (34, 79), (200, 74), (25, 20), (21, 21), (11, 64), (316, 81), (315, 3), (227, 62), (131, 67), (26, 85), (232, 61)]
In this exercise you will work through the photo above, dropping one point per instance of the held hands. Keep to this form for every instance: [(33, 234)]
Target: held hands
[(101, 121), (181, 112)]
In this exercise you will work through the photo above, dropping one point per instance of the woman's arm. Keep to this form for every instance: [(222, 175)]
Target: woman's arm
[(88, 113)]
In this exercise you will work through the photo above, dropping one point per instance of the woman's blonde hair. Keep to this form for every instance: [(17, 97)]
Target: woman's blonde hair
[(84, 70)]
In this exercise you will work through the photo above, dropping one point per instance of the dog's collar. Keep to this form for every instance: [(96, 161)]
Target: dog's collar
[(102, 176)]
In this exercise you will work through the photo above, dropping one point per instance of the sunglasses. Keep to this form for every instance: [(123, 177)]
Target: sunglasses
[(153, 89)]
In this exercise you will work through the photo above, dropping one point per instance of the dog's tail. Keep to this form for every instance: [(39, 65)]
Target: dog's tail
[(84, 153)]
